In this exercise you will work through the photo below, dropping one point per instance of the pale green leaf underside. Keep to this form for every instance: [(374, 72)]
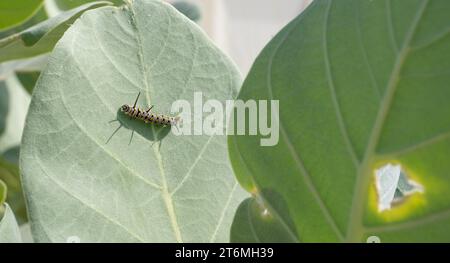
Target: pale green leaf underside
[(180, 188), (360, 84), (9, 230)]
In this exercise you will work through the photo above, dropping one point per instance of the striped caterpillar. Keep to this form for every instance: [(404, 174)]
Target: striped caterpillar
[(148, 116)]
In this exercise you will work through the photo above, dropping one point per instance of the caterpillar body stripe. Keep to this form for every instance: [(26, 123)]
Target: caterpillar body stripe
[(147, 116)]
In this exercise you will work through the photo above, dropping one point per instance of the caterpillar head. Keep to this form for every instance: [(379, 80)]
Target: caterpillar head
[(125, 108)]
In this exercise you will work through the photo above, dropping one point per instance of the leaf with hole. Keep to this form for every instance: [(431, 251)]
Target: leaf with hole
[(360, 84), (82, 167)]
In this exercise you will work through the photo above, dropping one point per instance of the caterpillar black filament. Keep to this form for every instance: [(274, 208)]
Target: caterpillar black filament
[(147, 116)]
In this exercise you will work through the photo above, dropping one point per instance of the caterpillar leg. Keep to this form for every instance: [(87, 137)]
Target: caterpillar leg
[(131, 137), (136, 99), (114, 132)]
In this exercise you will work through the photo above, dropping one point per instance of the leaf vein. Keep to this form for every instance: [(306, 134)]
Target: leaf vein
[(364, 173), (297, 159), (428, 219), (222, 214), (427, 142), (191, 168), (364, 52), (86, 204), (165, 192), (90, 136), (102, 49), (390, 25), (332, 87)]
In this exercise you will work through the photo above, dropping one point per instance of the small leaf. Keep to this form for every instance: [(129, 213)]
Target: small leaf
[(38, 17), (9, 230), (9, 175), (41, 37), (28, 79), (64, 5), (154, 186), (13, 12), (360, 84)]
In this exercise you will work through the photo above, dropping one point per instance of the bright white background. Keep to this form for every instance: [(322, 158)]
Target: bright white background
[(242, 28)]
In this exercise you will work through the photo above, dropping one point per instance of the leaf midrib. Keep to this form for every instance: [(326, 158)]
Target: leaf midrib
[(134, 173), (165, 190), (355, 226)]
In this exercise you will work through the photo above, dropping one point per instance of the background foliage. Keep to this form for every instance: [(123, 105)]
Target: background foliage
[(361, 84)]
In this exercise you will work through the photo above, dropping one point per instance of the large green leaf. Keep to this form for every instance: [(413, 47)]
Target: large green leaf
[(360, 84), (13, 12), (157, 188), (41, 37), (9, 230)]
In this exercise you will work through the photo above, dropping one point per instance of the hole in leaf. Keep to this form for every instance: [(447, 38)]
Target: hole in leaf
[(394, 186)]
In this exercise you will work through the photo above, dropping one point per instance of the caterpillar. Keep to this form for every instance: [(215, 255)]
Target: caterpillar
[(147, 116)]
